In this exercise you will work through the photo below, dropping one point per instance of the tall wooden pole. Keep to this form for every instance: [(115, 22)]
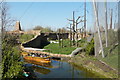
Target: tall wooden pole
[(62, 38), (59, 37), (97, 24), (106, 25), (85, 18), (73, 28), (76, 35), (111, 19), (70, 35), (77, 30)]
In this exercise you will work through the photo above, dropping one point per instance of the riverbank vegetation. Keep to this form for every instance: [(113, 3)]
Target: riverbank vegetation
[(95, 66), (11, 65)]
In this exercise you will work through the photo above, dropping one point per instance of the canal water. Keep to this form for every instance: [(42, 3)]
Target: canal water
[(58, 69)]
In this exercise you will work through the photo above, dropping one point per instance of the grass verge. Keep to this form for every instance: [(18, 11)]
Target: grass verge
[(56, 49)]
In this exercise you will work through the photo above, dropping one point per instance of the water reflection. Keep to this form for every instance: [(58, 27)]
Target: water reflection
[(41, 70), (59, 69), (84, 72)]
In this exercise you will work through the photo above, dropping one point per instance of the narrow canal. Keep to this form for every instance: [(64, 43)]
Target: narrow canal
[(57, 69)]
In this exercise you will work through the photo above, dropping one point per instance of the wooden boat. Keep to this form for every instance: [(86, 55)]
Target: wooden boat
[(48, 65), (38, 59)]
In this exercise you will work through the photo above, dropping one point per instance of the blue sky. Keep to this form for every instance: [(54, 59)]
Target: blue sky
[(49, 14)]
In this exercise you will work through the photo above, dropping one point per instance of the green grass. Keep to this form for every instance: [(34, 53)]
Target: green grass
[(112, 61), (81, 42), (66, 49), (112, 58), (111, 52), (56, 49)]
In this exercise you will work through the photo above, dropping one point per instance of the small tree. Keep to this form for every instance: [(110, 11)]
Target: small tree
[(38, 28), (46, 29)]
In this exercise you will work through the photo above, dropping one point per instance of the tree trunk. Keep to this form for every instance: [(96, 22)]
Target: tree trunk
[(97, 24)]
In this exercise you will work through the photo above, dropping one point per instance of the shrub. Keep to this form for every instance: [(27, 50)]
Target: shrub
[(90, 48), (11, 65)]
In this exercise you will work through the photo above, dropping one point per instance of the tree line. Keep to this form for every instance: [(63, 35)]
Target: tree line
[(48, 29)]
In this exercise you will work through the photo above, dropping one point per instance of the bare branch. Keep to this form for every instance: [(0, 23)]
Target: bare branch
[(80, 21), (69, 20), (78, 18)]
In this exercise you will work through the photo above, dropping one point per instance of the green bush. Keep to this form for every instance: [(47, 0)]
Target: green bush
[(90, 48), (11, 65)]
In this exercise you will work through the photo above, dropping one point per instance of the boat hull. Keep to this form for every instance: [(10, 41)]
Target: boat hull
[(37, 59)]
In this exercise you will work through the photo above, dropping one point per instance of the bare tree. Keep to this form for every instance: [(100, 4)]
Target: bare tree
[(3, 15), (5, 20)]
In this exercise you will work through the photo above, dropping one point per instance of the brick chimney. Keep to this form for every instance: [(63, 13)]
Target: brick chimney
[(17, 26)]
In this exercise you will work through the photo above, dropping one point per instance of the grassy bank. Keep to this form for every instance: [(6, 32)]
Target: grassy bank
[(64, 46), (111, 51), (56, 49), (93, 65), (108, 68), (112, 58)]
